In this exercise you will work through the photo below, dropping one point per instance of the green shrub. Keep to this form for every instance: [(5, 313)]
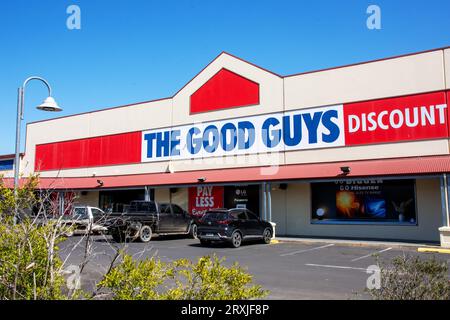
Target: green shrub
[(29, 264), (412, 278), (207, 279), (30, 267)]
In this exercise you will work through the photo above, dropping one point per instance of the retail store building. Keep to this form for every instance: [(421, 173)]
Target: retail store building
[(358, 151)]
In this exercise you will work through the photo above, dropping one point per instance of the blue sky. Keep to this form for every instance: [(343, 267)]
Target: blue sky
[(137, 50)]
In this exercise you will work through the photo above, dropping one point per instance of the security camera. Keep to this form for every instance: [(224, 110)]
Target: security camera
[(345, 170)]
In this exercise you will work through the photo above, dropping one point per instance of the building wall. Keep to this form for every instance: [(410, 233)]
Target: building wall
[(291, 211), (294, 217), (271, 92), (279, 209), (7, 166), (91, 198), (394, 77), (138, 117), (180, 197), (447, 67), (417, 73), (7, 173), (378, 151)]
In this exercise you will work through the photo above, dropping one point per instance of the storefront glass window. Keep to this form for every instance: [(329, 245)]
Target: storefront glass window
[(242, 197), (364, 201), (119, 200)]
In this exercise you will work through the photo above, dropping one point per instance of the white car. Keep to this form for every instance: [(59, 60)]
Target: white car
[(84, 218)]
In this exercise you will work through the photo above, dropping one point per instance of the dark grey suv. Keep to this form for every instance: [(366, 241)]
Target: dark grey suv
[(233, 226)]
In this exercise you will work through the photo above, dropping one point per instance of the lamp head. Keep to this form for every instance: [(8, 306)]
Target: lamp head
[(49, 104)]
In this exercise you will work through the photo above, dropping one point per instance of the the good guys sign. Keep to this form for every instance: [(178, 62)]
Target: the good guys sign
[(407, 118), (415, 117), (306, 129)]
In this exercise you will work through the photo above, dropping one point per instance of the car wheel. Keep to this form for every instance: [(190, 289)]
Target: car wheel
[(145, 234), (194, 231), (204, 242), (236, 239), (267, 236)]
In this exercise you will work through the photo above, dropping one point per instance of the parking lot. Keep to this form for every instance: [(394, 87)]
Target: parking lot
[(290, 270)]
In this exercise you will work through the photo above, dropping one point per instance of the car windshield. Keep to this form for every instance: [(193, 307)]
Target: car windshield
[(142, 207), (215, 216), (80, 213)]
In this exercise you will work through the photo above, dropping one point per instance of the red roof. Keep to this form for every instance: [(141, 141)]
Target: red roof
[(363, 168)]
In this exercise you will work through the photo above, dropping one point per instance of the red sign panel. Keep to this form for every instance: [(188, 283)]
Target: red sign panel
[(224, 90), (204, 198), (416, 117), (91, 152)]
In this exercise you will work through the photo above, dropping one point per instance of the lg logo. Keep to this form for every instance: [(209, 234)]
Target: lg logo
[(73, 21)]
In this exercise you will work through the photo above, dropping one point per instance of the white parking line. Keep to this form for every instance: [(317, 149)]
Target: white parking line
[(371, 254), (306, 250), (334, 267), (253, 246)]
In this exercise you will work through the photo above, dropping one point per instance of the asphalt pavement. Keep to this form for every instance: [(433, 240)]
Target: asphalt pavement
[(289, 270)]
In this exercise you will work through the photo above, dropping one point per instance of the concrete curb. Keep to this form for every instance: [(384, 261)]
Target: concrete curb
[(356, 243), (434, 250)]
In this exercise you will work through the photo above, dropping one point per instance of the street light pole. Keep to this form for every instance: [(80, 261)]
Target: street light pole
[(49, 104)]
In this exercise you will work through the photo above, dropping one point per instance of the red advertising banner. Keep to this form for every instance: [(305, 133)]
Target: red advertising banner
[(107, 150), (204, 198), (415, 117)]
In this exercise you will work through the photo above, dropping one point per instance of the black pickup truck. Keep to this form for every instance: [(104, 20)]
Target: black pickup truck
[(142, 219)]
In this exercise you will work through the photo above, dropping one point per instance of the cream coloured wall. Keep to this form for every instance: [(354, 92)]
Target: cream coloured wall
[(90, 199), (162, 195), (447, 67), (376, 151), (279, 209), (7, 174), (294, 219), (149, 167), (180, 197), (270, 87), (400, 76)]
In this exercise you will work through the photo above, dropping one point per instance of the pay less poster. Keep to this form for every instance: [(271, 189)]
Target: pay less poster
[(204, 198), (364, 200)]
